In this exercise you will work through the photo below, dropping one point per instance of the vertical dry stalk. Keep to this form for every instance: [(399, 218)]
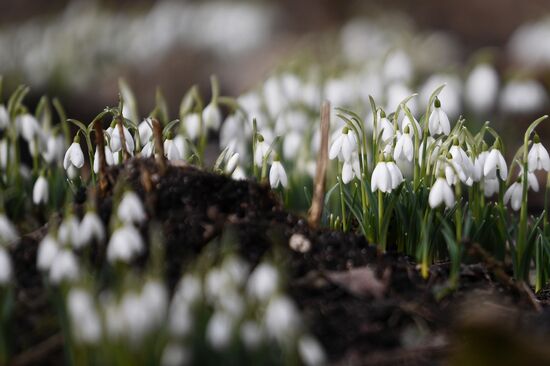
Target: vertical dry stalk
[(125, 153), (316, 209), (100, 146), (159, 146)]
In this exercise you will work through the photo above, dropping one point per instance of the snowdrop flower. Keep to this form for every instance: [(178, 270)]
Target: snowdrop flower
[(397, 67), (232, 163), (212, 116), (251, 335), (461, 159), (91, 228), (277, 175), (351, 169), (28, 126), (180, 318), (282, 319), (148, 149), (171, 151), (4, 153), (55, 149), (130, 209), (47, 251), (155, 299), (490, 186), (263, 282), (174, 354), (523, 96), (479, 163), (495, 161), (85, 321), (116, 141), (40, 191), (311, 352), (404, 148), (64, 267), (109, 159), (5, 267), (262, 149), (384, 128), (8, 232), (434, 150), (124, 245), (438, 122), (74, 157), (192, 123), (481, 88), (189, 289), (538, 156), (343, 146), (514, 195), (386, 177), (407, 122), (219, 330), (145, 130), (4, 118), (68, 231), (441, 192), (292, 144), (136, 318), (238, 174), (181, 144)]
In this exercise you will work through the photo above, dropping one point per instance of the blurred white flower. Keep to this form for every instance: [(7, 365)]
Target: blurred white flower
[(262, 149), (109, 158), (4, 118), (441, 192), (91, 228), (251, 335), (397, 67), (175, 354), (5, 267), (74, 157), (514, 195), (277, 175), (28, 127), (64, 267), (263, 282), (282, 320), (219, 330), (481, 88), (55, 149), (47, 251), (125, 244), (69, 231), (192, 125), (212, 116), (116, 141), (145, 130), (171, 151), (523, 96), (232, 163), (40, 191), (85, 321), (130, 209), (8, 232), (311, 352)]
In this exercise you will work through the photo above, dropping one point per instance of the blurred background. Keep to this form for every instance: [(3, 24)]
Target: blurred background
[(77, 50)]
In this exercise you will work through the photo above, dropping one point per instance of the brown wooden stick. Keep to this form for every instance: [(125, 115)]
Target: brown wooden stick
[(159, 146), (100, 146), (316, 209)]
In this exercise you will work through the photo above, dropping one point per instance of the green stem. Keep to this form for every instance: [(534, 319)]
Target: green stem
[(342, 202), (381, 234), (458, 213)]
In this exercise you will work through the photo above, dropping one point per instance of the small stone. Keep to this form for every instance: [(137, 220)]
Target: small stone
[(299, 243)]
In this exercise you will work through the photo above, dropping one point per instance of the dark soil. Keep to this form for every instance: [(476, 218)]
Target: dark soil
[(366, 308)]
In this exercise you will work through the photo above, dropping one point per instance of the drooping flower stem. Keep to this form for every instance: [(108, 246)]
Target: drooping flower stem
[(458, 213)]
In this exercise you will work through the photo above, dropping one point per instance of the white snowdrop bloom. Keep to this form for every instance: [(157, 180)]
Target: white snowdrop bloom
[(64, 267), (5, 267), (407, 122), (263, 282), (136, 317), (384, 128), (192, 124), (174, 354), (460, 158), (238, 174), (109, 159), (532, 180), (125, 244), (180, 317), (148, 149), (236, 269), (85, 321), (404, 148), (311, 352), (130, 209), (435, 149), (385, 177), (40, 193), (514, 195), (212, 116), (8, 232), (481, 88), (232, 163), (217, 282), (490, 186), (116, 141), (232, 129), (154, 296), (72, 172), (495, 161), (91, 228), (145, 130), (181, 144), (189, 289), (340, 91), (68, 231), (219, 330), (4, 153), (74, 157), (397, 67), (395, 173), (277, 175), (441, 192), (479, 164), (55, 149), (538, 157), (232, 303), (395, 93), (114, 318), (438, 122), (351, 169), (171, 151), (450, 96), (291, 145), (291, 85), (28, 127), (262, 148), (4, 118), (343, 146), (281, 318), (47, 251), (251, 334), (274, 98), (523, 96)]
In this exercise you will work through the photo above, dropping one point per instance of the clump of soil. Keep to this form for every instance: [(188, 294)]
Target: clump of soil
[(365, 307)]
